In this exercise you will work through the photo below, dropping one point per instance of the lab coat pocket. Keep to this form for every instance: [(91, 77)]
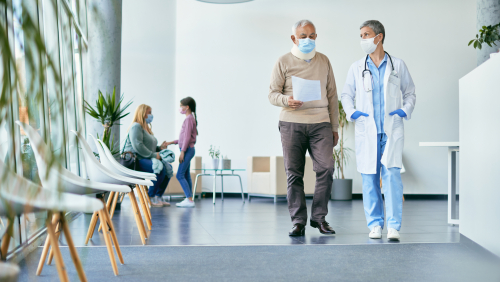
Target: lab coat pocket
[(359, 125), (393, 86), (397, 127)]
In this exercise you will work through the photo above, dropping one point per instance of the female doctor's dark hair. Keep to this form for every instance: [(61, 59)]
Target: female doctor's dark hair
[(188, 101)]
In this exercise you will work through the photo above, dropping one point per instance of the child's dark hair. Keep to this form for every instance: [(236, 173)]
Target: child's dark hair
[(188, 101)]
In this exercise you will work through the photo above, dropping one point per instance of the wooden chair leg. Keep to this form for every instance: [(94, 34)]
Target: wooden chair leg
[(110, 228), (139, 215), (138, 219), (46, 246), (108, 205), (51, 253), (107, 240), (92, 225), (72, 250), (146, 193), (113, 205), (123, 197), (147, 202), (143, 205), (4, 249), (61, 269)]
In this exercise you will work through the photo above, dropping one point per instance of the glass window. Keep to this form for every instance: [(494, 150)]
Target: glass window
[(52, 107), (69, 91), (79, 8), (29, 106), (54, 91)]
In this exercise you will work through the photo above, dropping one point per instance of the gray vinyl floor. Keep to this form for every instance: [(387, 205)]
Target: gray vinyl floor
[(261, 222), (232, 241)]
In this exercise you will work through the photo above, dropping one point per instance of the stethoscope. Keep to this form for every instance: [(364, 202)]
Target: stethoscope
[(370, 86)]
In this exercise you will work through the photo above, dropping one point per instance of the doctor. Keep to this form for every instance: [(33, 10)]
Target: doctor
[(378, 95)]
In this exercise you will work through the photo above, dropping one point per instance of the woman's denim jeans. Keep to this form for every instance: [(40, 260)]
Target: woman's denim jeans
[(161, 182)]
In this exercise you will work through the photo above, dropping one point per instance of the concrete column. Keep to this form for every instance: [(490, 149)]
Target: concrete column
[(104, 56), (488, 13)]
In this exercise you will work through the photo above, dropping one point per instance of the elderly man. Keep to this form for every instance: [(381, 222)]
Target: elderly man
[(303, 85), (378, 94)]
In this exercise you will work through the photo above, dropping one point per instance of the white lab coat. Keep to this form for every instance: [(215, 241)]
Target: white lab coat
[(399, 93)]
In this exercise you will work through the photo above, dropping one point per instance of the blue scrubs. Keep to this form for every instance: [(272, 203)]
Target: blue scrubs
[(391, 177), (378, 74)]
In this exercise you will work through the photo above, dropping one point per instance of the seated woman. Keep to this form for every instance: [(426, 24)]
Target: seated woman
[(143, 144)]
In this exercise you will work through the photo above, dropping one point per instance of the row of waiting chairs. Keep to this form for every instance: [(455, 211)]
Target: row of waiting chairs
[(61, 190)]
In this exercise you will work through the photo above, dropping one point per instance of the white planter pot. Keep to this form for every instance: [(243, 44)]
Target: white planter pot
[(226, 164), (215, 163)]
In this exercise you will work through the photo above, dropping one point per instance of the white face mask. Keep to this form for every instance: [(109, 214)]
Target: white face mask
[(368, 46)]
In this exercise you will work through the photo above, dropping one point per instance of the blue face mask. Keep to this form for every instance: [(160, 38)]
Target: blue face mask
[(149, 119), (306, 45)]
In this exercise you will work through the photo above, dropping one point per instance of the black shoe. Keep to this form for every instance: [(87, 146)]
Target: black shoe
[(324, 227), (297, 230)]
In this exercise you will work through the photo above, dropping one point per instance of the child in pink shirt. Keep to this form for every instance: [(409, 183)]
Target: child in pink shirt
[(186, 141)]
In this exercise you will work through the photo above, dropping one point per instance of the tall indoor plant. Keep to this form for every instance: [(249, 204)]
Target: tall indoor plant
[(341, 188), (107, 111)]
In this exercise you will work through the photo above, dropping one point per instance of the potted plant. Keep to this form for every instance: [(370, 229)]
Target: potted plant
[(107, 111), (226, 163), (341, 187), (487, 34), (214, 154)]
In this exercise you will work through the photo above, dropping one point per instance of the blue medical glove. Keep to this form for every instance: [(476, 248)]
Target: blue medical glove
[(357, 114), (400, 113)]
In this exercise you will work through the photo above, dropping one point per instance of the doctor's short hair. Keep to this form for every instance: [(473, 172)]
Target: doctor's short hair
[(301, 23), (377, 27)]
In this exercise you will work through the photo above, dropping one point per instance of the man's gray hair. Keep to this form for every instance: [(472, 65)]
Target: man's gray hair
[(301, 23), (377, 27)]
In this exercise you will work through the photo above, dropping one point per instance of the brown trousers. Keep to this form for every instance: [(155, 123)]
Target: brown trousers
[(297, 138)]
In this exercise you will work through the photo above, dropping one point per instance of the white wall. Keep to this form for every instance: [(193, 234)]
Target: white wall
[(479, 152), (225, 54), (148, 62)]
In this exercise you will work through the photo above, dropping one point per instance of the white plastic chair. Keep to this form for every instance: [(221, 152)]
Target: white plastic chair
[(115, 166), (99, 172), (22, 196), (108, 160), (61, 178)]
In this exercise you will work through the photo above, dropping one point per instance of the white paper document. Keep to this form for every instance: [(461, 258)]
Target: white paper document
[(306, 90)]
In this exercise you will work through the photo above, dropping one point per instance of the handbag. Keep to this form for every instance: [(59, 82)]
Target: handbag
[(128, 159)]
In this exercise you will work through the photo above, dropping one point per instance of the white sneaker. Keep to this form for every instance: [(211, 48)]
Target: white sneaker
[(393, 234), (186, 204), (376, 233)]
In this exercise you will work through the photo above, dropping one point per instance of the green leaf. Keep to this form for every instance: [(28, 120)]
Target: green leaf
[(470, 42), (475, 44)]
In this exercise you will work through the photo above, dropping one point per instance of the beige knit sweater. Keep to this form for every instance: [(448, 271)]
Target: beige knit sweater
[(324, 110)]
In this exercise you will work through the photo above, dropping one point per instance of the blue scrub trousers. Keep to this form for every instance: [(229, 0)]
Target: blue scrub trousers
[(184, 173), (161, 182), (393, 192)]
